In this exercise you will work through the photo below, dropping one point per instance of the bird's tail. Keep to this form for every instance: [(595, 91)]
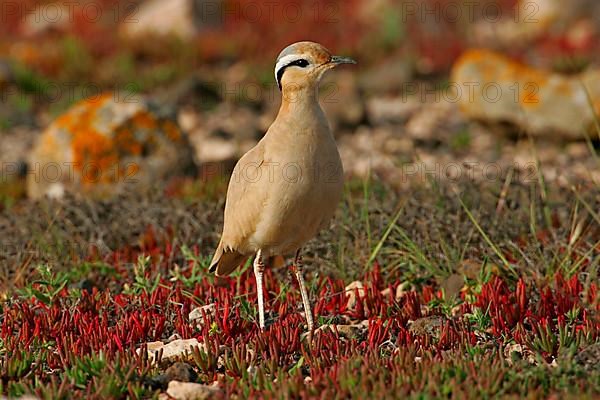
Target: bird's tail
[(225, 262)]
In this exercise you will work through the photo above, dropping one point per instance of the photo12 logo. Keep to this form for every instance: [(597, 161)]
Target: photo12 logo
[(68, 92), (468, 11), (60, 12), (269, 11), (471, 92), (70, 172), (470, 170)]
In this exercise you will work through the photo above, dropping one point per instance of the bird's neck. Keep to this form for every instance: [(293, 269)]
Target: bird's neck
[(299, 101)]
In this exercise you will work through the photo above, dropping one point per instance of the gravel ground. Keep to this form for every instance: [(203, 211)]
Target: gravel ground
[(65, 233)]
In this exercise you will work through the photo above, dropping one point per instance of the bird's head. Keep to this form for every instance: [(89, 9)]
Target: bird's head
[(302, 65)]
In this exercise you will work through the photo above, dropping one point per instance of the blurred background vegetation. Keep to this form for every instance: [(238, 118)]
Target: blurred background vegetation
[(147, 46), (207, 66)]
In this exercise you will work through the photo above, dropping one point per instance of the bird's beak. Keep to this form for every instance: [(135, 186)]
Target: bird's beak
[(342, 60)]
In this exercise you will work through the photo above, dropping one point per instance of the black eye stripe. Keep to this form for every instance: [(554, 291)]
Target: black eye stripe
[(302, 63)]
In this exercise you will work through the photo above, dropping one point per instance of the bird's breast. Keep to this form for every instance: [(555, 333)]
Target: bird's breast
[(305, 186)]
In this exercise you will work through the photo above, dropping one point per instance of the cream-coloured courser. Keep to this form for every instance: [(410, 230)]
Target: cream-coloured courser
[(285, 189)]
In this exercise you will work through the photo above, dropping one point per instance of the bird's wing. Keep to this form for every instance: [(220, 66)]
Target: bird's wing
[(246, 197)]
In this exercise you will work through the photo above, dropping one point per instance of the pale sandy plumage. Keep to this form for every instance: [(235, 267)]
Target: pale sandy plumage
[(285, 189)]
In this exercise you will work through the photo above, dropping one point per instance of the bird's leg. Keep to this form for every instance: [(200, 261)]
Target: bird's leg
[(300, 277), (259, 269)]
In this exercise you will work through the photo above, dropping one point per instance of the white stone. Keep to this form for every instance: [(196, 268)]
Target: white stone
[(196, 315), (351, 291), (495, 88), (181, 348), (173, 17), (191, 391), (392, 109)]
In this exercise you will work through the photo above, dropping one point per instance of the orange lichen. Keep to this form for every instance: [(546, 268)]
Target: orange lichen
[(125, 142), (65, 120), (48, 142), (172, 131), (80, 118), (565, 88), (495, 66), (94, 156), (144, 120), (99, 152), (491, 67)]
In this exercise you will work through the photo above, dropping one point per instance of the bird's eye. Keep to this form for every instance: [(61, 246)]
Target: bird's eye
[(302, 63), (280, 69)]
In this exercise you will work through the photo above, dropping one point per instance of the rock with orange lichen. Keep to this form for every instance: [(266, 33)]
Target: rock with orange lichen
[(492, 87), (107, 144)]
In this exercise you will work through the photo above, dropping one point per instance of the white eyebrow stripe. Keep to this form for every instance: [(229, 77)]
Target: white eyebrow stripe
[(285, 60)]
